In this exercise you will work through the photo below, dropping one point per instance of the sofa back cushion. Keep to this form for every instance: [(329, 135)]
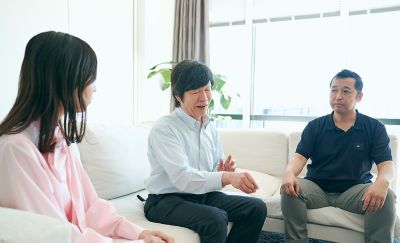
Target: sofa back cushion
[(294, 139), (115, 158), (256, 149)]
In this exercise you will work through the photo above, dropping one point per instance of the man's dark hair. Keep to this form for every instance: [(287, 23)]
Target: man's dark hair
[(349, 74), (189, 75)]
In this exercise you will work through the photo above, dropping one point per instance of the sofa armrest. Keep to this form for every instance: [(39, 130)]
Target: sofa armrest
[(21, 226)]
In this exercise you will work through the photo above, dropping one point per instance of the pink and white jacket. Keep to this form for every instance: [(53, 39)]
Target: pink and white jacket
[(55, 184)]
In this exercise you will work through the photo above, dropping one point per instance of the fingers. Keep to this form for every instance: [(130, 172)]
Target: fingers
[(221, 165), (290, 186), (296, 189), (155, 239), (290, 190), (159, 236), (247, 183), (155, 236), (256, 187), (227, 165), (228, 159), (372, 204), (166, 238), (230, 166)]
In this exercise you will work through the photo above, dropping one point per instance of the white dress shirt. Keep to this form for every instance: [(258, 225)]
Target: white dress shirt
[(184, 155)]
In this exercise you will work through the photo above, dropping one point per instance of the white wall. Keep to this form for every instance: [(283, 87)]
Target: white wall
[(128, 36), (19, 21), (108, 27)]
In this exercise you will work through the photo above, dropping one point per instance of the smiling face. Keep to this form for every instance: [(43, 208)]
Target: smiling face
[(344, 96), (195, 102)]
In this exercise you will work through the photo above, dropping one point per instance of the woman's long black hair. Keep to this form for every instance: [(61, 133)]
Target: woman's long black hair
[(55, 70)]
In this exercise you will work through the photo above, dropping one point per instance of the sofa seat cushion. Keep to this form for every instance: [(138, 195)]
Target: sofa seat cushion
[(269, 192), (324, 216), (115, 158), (268, 184)]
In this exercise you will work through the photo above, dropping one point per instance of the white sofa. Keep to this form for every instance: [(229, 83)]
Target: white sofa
[(116, 161)]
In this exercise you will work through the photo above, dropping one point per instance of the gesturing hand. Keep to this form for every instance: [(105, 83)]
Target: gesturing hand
[(244, 182), (228, 165)]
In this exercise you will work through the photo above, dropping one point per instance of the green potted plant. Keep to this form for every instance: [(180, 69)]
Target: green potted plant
[(164, 69)]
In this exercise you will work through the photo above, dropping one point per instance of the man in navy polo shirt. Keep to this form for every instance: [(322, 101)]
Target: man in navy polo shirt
[(342, 147)]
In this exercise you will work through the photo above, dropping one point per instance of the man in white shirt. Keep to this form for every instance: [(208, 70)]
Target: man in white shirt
[(188, 169)]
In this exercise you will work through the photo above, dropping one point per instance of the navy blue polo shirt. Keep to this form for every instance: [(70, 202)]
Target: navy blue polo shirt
[(342, 159)]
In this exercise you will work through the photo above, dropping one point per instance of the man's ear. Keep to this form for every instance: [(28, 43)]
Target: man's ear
[(359, 96), (179, 99)]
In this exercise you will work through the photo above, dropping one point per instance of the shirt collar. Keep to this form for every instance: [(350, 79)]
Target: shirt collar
[(190, 121), (331, 123)]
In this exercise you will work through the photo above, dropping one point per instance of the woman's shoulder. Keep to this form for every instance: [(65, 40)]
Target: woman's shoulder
[(19, 141), (17, 152)]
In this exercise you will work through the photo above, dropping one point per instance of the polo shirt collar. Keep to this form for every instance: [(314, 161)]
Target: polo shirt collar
[(190, 121), (357, 123)]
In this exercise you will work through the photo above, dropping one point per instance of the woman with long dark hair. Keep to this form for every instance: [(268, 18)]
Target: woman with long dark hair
[(38, 170)]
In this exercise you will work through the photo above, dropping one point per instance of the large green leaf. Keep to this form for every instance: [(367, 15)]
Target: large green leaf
[(151, 74), (211, 106), (225, 101), (219, 82), (166, 74), (163, 63), (165, 86)]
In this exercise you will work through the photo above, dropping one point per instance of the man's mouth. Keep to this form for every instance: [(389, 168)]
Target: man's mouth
[(202, 106)]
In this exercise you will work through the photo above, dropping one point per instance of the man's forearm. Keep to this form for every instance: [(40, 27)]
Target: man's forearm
[(386, 172), (296, 164)]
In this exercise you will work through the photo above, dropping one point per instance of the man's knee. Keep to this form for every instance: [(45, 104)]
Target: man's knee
[(390, 198), (260, 208), (287, 199), (216, 222), (390, 204)]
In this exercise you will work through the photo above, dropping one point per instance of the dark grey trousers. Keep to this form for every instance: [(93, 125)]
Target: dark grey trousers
[(378, 226), (208, 215)]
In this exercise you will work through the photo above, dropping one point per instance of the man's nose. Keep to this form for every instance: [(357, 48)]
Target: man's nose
[(339, 95), (204, 95)]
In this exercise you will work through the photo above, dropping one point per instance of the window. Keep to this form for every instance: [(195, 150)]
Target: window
[(281, 55)]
